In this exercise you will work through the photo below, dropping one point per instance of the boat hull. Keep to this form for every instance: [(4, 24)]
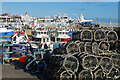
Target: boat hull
[(6, 34)]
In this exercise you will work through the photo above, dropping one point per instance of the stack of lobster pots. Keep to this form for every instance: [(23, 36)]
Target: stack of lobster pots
[(92, 54)]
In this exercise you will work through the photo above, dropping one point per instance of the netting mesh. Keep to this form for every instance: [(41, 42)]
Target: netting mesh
[(114, 74), (76, 35), (99, 74), (104, 46), (67, 75), (95, 48), (81, 46), (85, 75), (106, 64), (116, 60), (86, 35), (88, 47), (72, 48), (99, 35), (71, 63), (90, 62), (112, 36)]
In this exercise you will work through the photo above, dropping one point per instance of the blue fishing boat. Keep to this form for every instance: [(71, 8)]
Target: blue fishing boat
[(5, 33)]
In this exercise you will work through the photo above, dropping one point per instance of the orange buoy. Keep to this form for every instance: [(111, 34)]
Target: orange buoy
[(22, 59)]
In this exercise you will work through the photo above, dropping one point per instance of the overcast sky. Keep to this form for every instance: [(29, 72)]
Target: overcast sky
[(59, 0)]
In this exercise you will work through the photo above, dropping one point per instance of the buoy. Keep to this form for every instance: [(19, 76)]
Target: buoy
[(22, 59)]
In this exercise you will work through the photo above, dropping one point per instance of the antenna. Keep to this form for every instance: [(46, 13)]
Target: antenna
[(81, 16), (96, 20), (77, 16)]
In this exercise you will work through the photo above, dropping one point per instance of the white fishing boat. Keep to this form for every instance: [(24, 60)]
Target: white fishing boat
[(19, 37), (62, 36), (5, 33), (41, 36)]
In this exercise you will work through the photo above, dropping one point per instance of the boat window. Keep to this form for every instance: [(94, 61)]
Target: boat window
[(41, 32), (5, 33), (38, 32), (44, 32), (47, 39), (40, 39), (60, 33)]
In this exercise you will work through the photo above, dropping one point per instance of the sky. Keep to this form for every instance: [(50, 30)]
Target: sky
[(105, 11), (60, 0)]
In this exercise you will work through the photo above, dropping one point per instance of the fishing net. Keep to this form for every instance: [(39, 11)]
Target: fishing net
[(72, 48), (95, 48), (71, 63), (99, 75), (90, 62), (104, 46), (86, 35), (88, 47), (106, 64), (99, 35), (85, 75), (116, 60), (81, 46), (68, 75), (112, 36)]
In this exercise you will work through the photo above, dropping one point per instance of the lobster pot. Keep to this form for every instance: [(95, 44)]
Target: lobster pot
[(68, 75), (51, 71), (106, 64), (56, 60), (112, 46), (86, 35), (114, 74), (118, 46), (112, 36), (88, 47), (76, 35), (71, 63), (60, 51), (99, 35), (95, 48), (90, 62), (104, 46), (99, 75), (85, 75), (78, 41), (72, 49), (116, 60), (81, 46)]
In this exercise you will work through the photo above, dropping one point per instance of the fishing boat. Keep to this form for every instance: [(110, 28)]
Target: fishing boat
[(19, 37), (5, 33), (41, 36), (62, 36)]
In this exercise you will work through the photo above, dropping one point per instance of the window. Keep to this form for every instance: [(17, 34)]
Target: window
[(5, 33), (43, 39), (47, 39)]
